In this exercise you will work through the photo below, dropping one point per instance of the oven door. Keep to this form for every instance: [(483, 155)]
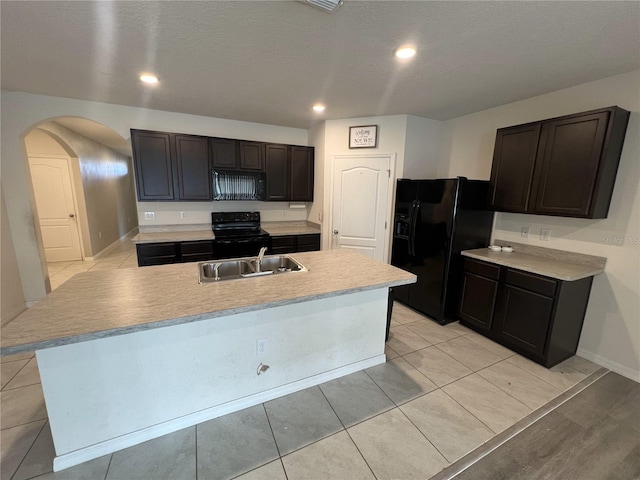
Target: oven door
[(239, 247)]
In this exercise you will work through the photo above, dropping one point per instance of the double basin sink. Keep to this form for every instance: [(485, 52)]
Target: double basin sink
[(233, 268)]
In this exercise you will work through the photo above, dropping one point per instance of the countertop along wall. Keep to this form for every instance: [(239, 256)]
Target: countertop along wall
[(611, 331), (23, 111)]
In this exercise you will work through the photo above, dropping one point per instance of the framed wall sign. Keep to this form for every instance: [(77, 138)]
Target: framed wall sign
[(364, 136)]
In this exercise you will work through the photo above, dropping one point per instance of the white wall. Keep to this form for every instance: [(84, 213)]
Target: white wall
[(13, 301), (317, 138), (22, 111), (422, 155), (611, 332)]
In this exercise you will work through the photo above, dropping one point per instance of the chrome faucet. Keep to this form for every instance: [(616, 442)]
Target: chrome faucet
[(259, 258)]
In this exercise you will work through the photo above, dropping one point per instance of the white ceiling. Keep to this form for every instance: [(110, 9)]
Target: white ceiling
[(269, 61)]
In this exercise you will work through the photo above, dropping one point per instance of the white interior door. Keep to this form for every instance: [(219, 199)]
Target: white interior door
[(361, 190), (56, 208)]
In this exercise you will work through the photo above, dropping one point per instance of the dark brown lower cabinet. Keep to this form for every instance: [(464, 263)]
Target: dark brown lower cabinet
[(294, 243), (539, 317), (174, 252)]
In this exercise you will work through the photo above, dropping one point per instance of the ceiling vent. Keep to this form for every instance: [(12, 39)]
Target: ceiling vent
[(327, 5)]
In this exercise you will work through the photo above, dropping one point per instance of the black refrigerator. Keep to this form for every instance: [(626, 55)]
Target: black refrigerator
[(434, 221)]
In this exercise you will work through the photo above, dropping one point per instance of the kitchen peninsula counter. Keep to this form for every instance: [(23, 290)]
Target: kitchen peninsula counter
[(107, 303), (128, 355)]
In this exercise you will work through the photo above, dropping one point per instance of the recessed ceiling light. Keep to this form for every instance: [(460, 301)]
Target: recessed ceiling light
[(318, 107), (405, 52), (148, 78)]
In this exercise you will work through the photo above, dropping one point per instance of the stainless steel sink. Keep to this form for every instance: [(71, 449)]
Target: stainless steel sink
[(234, 268)]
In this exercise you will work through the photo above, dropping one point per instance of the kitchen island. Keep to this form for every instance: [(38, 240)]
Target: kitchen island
[(129, 355)]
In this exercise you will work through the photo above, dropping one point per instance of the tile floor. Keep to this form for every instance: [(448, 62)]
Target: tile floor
[(443, 392)]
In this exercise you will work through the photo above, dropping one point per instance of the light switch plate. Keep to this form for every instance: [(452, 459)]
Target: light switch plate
[(545, 233), (524, 233)]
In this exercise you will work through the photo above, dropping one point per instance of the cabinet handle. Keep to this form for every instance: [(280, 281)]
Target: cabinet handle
[(71, 215)]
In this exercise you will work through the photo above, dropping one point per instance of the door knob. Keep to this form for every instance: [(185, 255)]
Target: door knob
[(71, 215), (335, 232)]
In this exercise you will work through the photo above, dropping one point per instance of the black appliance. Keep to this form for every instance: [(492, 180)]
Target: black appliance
[(238, 234), (434, 221)]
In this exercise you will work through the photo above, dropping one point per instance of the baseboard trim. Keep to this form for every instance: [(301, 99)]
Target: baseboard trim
[(106, 250), (94, 451), (623, 370)]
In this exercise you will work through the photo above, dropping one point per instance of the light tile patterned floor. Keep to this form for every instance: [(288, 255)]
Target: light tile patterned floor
[(443, 392)]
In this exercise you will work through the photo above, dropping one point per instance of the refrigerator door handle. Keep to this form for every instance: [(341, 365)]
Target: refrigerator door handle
[(415, 209)]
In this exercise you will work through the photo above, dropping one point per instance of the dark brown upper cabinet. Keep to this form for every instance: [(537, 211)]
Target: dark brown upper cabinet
[(224, 153), (192, 164), (170, 166), (277, 167), (301, 174), (512, 171), (251, 156), (563, 166), (153, 164), (289, 172)]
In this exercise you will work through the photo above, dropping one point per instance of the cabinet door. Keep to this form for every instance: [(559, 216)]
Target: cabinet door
[(302, 174), (224, 153), (523, 319), (154, 170), (252, 156), (567, 164), (192, 162), (277, 160), (478, 300), (308, 243), (156, 253), (512, 169)]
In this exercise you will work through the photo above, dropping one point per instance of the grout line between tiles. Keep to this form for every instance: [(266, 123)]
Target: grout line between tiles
[(500, 439), (30, 447), (14, 376), (271, 429), (109, 466)]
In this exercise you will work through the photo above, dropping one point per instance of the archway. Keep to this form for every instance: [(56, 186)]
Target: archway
[(101, 205)]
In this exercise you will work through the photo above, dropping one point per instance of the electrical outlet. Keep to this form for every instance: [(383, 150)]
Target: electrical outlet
[(183, 215), (524, 233), (319, 216), (149, 215), (545, 233), (262, 346)]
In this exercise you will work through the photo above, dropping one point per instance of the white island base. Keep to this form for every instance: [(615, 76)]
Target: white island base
[(107, 394)]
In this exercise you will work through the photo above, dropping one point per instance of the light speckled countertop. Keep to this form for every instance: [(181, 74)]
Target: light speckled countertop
[(187, 233), (108, 303), (289, 228), (559, 264)]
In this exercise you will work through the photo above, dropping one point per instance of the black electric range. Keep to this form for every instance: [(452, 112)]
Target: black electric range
[(238, 234)]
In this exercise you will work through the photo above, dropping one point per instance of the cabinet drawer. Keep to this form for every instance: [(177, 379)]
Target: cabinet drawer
[(200, 246), (284, 241), (533, 283), (156, 249), (197, 257), (481, 268), (161, 260)]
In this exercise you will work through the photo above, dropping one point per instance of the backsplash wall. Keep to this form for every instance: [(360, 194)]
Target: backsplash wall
[(168, 213)]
